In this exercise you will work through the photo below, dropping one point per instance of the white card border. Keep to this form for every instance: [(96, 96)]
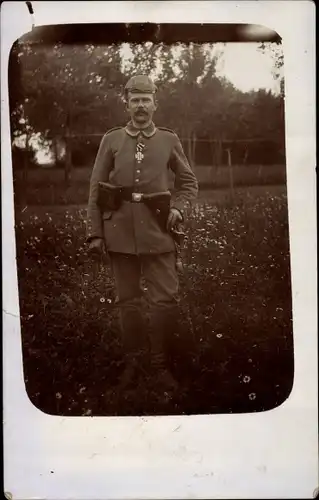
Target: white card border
[(266, 455)]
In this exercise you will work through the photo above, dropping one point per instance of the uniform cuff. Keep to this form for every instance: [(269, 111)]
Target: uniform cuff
[(180, 206)]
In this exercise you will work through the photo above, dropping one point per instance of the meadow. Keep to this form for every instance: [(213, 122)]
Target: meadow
[(46, 186), (235, 350)]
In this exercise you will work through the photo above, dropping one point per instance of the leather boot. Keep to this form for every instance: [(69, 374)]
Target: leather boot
[(162, 374), (131, 372), (134, 345), (161, 325)]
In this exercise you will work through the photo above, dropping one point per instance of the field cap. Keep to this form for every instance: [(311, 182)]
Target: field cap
[(140, 83)]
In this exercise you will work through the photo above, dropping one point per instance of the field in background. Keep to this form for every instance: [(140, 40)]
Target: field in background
[(218, 197), (235, 349), (46, 185)]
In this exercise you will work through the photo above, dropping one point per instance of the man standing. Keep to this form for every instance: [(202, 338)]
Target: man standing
[(136, 160)]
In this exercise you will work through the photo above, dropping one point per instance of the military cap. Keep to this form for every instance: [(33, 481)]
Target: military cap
[(140, 83)]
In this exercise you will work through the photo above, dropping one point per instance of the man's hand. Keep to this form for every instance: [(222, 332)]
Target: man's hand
[(96, 247), (174, 218)]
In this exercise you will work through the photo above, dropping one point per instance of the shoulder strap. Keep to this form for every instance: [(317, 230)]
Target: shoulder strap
[(167, 130), (112, 130)]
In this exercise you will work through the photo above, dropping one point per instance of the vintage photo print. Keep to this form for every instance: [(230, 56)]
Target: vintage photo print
[(126, 332), (152, 175)]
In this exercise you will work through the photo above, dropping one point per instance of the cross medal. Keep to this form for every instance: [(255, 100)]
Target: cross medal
[(139, 152)]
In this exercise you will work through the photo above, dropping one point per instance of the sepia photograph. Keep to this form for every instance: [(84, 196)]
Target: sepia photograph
[(151, 219)]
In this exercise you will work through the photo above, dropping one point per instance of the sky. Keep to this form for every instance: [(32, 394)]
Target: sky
[(247, 68)]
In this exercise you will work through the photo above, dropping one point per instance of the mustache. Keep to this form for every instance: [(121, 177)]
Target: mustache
[(141, 112)]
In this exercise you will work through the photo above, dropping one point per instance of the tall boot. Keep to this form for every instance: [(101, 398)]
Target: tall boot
[(134, 345), (161, 325)]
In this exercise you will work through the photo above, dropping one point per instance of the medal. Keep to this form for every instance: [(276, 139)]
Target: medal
[(139, 152)]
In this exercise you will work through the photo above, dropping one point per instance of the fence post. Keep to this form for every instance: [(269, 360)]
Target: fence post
[(245, 155), (55, 150)]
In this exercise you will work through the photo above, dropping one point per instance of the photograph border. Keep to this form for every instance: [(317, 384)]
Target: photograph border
[(264, 455)]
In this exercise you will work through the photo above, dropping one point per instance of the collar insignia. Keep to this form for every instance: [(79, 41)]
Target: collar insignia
[(131, 130)]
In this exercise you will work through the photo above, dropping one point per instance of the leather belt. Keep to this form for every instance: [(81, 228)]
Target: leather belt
[(137, 197), (128, 194)]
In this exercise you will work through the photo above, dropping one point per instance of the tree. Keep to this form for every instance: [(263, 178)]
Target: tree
[(143, 59), (70, 80), (275, 51), (67, 90), (183, 96)]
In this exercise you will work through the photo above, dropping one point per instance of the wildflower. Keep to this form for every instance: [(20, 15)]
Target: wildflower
[(58, 395), (102, 299), (82, 389), (219, 335), (246, 379), (252, 396)]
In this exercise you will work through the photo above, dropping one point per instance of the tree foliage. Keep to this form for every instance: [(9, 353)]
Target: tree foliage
[(276, 53), (78, 90)]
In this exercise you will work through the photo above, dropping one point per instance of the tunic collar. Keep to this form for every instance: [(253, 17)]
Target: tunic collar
[(134, 132)]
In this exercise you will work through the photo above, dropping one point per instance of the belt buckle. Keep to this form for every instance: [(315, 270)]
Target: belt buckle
[(137, 197)]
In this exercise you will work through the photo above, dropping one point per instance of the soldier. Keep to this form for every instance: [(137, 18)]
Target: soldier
[(136, 160)]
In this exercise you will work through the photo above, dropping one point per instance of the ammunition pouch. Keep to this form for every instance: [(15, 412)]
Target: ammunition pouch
[(159, 205), (110, 197)]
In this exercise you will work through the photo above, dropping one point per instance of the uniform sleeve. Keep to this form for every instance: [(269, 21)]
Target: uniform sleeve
[(186, 184), (101, 170)]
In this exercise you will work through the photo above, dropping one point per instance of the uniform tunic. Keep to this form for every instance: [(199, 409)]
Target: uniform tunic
[(133, 229)]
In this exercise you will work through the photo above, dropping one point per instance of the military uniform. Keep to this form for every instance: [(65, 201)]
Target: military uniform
[(133, 229), (141, 159)]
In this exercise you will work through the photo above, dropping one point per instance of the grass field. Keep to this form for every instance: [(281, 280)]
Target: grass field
[(236, 351), (46, 186)]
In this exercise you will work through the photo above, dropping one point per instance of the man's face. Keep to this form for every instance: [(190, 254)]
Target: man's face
[(141, 107)]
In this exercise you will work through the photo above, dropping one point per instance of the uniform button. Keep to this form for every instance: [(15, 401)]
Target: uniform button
[(137, 180), (138, 171)]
